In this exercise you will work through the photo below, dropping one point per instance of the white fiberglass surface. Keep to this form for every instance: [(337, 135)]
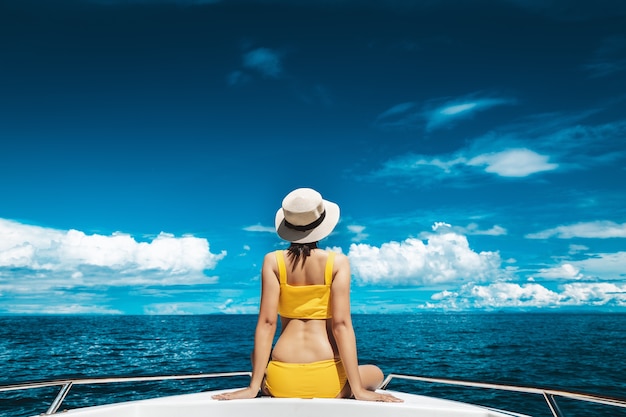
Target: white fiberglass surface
[(201, 405)]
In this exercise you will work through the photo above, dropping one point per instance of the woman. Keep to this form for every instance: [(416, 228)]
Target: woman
[(315, 355)]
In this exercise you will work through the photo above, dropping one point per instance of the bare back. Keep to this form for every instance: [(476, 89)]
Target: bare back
[(305, 340)]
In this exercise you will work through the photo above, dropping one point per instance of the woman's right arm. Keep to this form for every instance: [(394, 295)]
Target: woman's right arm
[(265, 329), (344, 333)]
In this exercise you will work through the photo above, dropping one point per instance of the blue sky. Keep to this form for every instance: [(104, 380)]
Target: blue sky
[(477, 151)]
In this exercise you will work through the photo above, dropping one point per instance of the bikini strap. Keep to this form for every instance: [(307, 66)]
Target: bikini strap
[(328, 273), (282, 270)]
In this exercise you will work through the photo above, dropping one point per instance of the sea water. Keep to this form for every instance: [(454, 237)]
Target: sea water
[(568, 351)]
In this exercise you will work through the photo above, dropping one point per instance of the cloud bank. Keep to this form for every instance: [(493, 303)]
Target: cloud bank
[(49, 257), (529, 296), (444, 259), (39, 265), (466, 279)]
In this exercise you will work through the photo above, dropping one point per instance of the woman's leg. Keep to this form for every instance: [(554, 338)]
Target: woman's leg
[(371, 378)]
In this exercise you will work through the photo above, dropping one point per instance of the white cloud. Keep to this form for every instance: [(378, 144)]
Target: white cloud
[(358, 231), (470, 229), (474, 229), (597, 267), (59, 309), (438, 225), (601, 229), (604, 266), (445, 258), (51, 257), (33, 295), (450, 112), (514, 163), (594, 294), (504, 294), (443, 295), (170, 309), (436, 114), (265, 61), (564, 271), (337, 249), (574, 249), (420, 165), (531, 295), (220, 304), (400, 116), (395, 110), (260, 228), (457, 109)]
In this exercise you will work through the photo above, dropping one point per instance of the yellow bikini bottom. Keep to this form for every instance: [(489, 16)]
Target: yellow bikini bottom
[(323, 379)]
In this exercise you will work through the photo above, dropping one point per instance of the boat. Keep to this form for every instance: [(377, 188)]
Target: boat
[(201, 403)]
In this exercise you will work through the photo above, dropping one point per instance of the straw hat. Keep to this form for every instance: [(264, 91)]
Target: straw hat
[(305, 217)]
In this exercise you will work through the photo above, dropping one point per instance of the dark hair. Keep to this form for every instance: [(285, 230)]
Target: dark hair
[(300, 250)]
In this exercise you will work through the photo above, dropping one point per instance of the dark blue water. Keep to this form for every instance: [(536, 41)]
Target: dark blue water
[(570, 351)]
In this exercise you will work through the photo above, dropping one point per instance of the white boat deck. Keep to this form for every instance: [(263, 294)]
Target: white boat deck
[(202, 405)]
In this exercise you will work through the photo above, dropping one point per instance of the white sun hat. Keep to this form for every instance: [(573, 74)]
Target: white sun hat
[(305, 217)]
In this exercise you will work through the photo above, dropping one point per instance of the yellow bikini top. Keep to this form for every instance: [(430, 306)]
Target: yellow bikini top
[(304, 301)]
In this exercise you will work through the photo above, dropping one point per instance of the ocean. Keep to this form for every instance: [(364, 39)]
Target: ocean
[(570, 351)]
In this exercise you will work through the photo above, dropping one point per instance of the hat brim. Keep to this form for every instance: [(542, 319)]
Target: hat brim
[(320, 232)]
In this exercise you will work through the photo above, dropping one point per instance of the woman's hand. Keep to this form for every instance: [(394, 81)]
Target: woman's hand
[(367, 395), (237, 395)]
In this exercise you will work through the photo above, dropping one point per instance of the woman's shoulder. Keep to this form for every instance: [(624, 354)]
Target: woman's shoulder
[(340, 258), (270, 257)]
